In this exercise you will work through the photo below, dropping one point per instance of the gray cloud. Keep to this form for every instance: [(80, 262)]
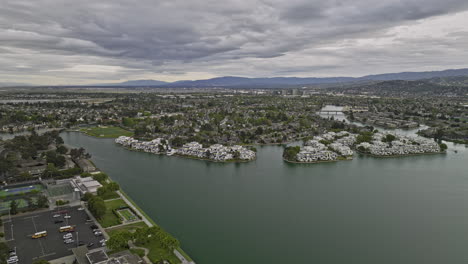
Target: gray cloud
[(126, 39)]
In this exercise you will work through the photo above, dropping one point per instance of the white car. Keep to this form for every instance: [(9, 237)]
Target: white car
[(80, 209), (67, 236), (69, 241), (98, 233), (67, 217), (56, 215), (102, 241)]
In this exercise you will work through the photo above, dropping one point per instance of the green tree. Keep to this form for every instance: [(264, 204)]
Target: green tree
[(177, 142), (389, 138), (13, 207), (101, 178), (42, 201), (113, 186), (62, 149), (443, 146), (119, 241), (87, 196), (290, 153), (97, 206), (4, 251)]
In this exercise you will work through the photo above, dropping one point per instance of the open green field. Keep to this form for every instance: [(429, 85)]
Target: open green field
[(157, 251), (110, 219), (130, 227), (106, 132)]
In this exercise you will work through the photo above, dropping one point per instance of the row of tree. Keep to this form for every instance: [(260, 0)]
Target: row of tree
[(41, 202), (142, 236)]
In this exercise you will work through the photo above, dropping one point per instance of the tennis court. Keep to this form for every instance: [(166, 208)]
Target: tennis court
[(58, 190), (19, 190), (127, 215), (22, 203)]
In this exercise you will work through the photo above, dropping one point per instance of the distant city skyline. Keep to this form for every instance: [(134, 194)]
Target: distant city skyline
[(50, 42)]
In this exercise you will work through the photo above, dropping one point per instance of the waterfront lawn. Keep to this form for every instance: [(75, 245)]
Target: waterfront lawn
[(138, 251), (110, 219), (129, 227), (156, 251), (106, 132)]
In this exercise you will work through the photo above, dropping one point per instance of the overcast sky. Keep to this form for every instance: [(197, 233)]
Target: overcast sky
[(90, 41)]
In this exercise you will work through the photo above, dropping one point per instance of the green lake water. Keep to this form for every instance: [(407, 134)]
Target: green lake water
[(369, 210)]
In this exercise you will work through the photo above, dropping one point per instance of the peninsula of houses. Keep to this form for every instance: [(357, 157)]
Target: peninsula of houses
[(388, 145), (216, 152), (328, 147), (333, 146)]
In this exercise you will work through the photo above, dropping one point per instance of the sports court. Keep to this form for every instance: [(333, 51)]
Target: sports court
[(5, 192), (127, 215)]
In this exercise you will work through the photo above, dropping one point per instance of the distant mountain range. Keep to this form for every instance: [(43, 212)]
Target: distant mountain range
[(136, 83), (276, 82), (446, 77)]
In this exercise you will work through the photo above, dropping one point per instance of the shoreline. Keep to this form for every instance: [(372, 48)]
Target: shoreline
[(315, 162), (400, 156), (149, 221)]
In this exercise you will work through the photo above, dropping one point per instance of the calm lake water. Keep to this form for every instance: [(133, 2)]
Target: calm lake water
[(369, 210)]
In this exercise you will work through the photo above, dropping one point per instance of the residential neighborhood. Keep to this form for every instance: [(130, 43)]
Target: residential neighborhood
[(215, 152)]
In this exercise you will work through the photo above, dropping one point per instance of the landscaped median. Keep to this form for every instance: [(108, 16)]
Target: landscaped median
[(106, 131)]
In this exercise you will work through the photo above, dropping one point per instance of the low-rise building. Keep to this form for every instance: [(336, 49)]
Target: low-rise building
[(85, 185)]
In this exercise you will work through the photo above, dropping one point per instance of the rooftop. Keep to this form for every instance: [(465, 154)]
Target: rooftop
[(97, 257)]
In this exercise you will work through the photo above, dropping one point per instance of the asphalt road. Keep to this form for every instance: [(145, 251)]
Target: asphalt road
[(18, 234)]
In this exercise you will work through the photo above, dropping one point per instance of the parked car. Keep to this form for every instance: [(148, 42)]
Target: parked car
[(68, 235), (81, 243), (90, 244), (93, 227), (103, 244), (68, 241), (56, 215), (67, 216), (80, 209), (98, 233), (12, 260), (102, 241), (58, 221)]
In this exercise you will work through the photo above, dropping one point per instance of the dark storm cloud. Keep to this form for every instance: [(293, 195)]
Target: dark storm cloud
[(166, 36)]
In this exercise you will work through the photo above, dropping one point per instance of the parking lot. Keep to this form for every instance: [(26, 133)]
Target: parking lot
[(18, 233)]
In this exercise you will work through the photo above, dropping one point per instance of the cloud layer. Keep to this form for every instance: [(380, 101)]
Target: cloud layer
[(74, 42)]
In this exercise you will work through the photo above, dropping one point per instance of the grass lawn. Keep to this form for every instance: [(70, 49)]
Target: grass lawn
[(129, 227), (106, 132), (109, 195), (138, 251), (109, 218), (156, 252)]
